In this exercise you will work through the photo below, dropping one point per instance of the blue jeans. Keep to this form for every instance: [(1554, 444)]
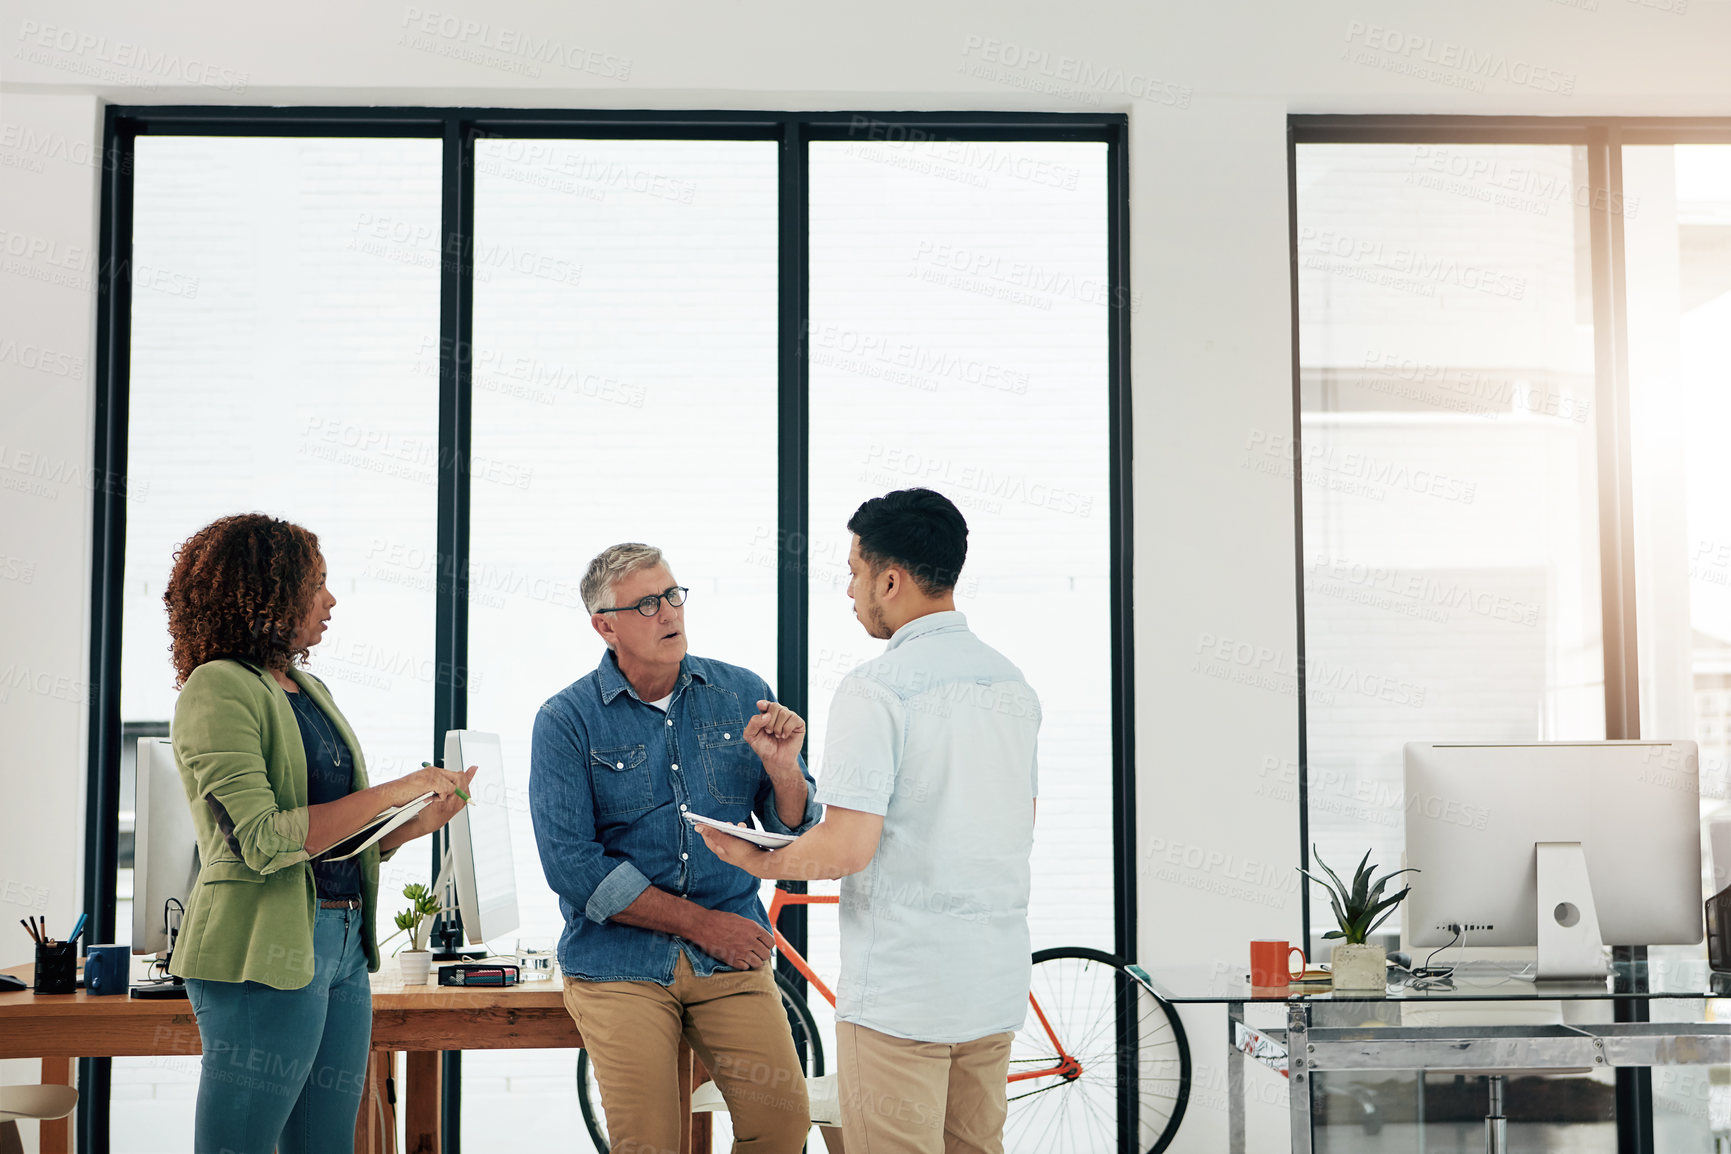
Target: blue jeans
[(284, 1070)]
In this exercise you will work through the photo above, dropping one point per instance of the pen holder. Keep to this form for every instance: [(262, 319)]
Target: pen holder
[(57, 968)]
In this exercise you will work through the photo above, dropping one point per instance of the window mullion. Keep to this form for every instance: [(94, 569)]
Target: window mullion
[(451, 598), (1611, 385), (793, 502)]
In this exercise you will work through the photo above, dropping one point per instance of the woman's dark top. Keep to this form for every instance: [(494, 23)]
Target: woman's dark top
[(330, 776)]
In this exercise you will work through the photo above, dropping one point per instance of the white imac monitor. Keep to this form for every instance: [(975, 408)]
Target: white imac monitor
[(165, 854), (478, 846), (1566, 846)]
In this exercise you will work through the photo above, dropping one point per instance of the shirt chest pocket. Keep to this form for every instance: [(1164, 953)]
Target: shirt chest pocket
[(734, 771), (621, 780)]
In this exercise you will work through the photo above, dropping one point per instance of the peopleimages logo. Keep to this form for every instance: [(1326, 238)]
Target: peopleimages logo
[(1495, 178), (1339, 252), (1266, 667), (858, 351), (118, 61), (1447, 62), (22, 146), (43, 360), (1060, 74), (967, 161), (513, 49), (1477, 392)]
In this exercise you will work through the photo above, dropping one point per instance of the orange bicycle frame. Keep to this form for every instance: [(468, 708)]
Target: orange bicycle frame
[(1067, 1067)]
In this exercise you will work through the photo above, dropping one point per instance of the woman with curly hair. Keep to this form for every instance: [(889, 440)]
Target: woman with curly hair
[(275, 946)]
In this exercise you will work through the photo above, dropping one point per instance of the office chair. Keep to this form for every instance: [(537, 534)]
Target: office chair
[(42, 1103)]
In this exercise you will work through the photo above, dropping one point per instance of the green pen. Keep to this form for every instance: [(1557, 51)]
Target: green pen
[(467, 800)]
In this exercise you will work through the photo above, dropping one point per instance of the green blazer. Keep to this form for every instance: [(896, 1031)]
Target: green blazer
[(238, 748)]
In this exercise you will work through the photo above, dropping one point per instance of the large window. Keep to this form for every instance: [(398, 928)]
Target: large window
[(275, 321), (1451, 546), (470, 351), (634, 395), (1511, 391), (958, 341)]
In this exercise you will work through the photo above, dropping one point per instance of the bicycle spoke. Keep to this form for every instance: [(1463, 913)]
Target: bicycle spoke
[(1079, 993)]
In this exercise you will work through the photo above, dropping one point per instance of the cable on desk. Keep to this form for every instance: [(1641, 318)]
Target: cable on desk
[(1429, 977)]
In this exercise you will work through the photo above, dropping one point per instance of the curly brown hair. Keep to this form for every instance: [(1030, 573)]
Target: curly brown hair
[(240, 587)]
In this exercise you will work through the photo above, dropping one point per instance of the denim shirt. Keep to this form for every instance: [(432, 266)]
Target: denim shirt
[(610, 778)]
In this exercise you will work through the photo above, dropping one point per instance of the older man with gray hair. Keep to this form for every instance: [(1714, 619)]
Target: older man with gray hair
[(663, 940)]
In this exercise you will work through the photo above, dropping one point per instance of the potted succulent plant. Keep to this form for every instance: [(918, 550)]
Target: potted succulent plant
[(1359, 908), (416, 961)]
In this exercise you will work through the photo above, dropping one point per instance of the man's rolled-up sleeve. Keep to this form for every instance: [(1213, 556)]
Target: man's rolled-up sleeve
[(562, 809), (770, 814)]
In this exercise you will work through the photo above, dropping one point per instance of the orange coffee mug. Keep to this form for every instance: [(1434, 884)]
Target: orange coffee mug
[(1271, 962)]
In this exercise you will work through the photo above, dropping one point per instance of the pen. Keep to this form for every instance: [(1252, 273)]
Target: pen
[(78, 927), (31, 930), (461, 792)]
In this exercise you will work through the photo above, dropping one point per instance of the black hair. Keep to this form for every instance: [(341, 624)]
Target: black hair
[(919, 530)]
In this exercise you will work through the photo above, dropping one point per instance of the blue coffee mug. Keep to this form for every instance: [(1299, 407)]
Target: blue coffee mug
[(108, 969)]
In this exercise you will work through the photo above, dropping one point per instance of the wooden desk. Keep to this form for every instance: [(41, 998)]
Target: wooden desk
[(421, 1021)]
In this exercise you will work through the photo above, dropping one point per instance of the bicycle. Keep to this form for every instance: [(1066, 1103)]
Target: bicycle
[(1094, 1027)]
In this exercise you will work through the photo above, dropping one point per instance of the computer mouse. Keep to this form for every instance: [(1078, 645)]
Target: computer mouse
[(10, 984), (1398, 958)]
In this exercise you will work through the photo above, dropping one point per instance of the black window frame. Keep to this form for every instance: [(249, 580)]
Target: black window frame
[(458, 128), (1604, 139)]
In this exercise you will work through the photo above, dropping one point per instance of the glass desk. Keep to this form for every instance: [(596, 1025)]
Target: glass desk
[(1304, 1046)]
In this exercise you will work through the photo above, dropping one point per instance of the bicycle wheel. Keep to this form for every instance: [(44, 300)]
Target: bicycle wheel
[(1076, 1107), (799, 1019)]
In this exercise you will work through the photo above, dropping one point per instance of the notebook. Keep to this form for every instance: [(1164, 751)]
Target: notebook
[(375, 829)]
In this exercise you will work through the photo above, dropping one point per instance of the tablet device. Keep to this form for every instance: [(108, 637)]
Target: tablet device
[(757, 837)]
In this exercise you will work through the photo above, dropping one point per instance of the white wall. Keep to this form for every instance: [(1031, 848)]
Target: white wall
[(1207, 87), (47, 342)]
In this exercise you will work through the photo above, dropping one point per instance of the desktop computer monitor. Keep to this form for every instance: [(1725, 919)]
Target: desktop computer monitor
[(165, 849), (478, 861), (1567, 846)]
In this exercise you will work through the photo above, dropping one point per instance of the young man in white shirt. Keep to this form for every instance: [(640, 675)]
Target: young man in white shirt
[(928, 779)]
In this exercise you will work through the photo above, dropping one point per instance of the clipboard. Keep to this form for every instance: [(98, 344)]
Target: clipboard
[(375, 829)]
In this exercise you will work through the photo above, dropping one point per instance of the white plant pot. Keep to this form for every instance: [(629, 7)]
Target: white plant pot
[(1360, 968), (416, 964)]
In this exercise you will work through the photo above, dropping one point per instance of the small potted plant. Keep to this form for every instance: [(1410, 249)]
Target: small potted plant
[(416, 961), (1356, 965)]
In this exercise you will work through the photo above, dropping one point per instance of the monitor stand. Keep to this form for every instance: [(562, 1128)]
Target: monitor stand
[(1571, 948), (447, 940), (166, 986)]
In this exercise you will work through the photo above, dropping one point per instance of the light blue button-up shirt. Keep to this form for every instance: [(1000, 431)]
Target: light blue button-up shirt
[(610, 778), (938, 735)]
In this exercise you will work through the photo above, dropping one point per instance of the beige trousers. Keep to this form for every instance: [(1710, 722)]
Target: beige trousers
[(905, 1097), (736, 1025)]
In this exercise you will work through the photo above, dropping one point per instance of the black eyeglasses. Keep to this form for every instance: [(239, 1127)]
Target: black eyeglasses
[(651, 605)]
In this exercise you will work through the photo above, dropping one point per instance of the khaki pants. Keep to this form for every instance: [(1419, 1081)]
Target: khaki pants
[(736, 1025), (906, 1097)]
